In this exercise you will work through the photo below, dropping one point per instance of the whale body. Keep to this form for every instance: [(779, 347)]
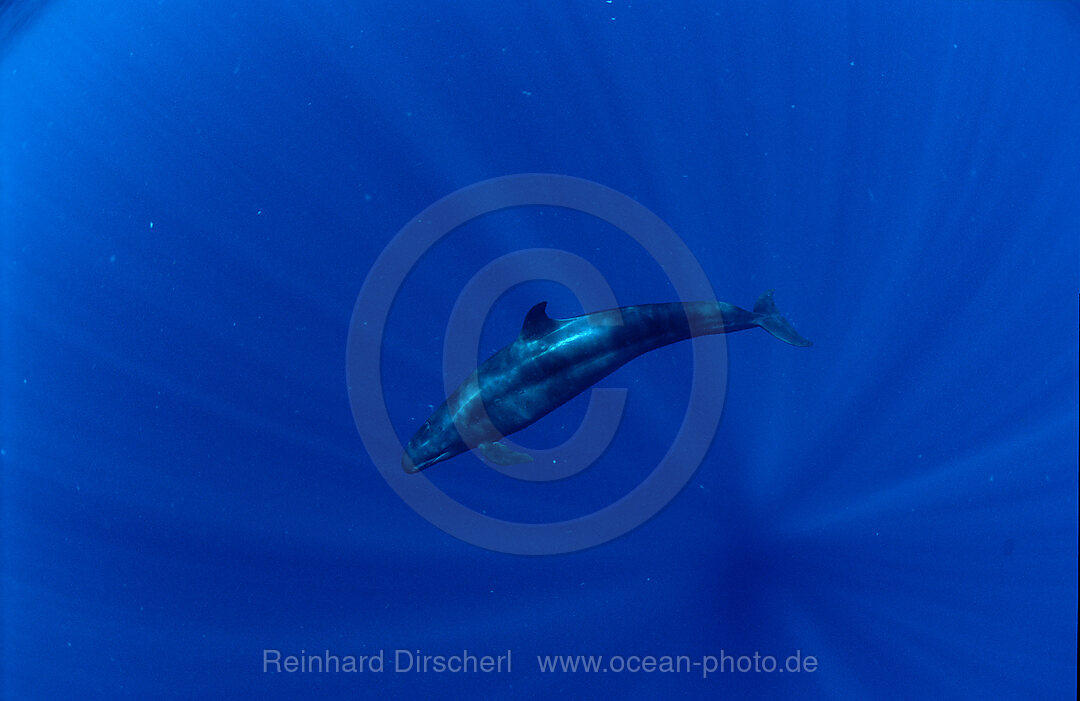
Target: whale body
[(554, 360)]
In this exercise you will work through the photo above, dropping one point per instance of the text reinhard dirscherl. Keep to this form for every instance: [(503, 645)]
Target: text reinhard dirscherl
[(399, 660)]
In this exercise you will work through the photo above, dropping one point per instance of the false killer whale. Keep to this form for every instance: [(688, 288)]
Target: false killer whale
[(553, 360)]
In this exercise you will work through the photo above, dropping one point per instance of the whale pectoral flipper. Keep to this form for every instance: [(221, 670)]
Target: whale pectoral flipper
[(778, 326), (501, 454)]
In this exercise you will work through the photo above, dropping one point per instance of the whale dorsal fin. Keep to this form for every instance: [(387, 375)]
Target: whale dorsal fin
[(537, 322)]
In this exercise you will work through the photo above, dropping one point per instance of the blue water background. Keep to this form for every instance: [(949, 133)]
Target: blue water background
[(193, 193)]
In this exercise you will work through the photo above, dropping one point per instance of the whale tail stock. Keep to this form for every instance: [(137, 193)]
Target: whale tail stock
[(769, 319)]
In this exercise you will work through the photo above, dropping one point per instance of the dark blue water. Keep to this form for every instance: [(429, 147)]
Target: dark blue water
[(193, 194)]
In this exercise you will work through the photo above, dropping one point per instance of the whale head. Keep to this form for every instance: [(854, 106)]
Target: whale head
[(437, 440)]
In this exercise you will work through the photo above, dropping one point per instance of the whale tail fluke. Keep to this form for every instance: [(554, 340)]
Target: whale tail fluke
[(770, 320)]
